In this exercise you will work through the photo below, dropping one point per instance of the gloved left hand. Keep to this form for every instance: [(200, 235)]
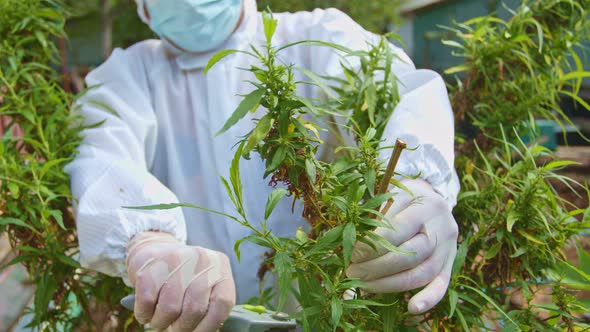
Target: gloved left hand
[(422, 224), (186, 288)]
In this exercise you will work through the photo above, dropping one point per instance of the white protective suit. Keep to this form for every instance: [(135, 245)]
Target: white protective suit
[(156, 144)]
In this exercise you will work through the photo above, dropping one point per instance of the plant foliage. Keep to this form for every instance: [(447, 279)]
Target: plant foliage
[(513, 225), (342, 198), (40, 137)]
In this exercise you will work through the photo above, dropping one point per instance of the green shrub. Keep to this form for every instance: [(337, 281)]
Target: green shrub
[(40, 138)]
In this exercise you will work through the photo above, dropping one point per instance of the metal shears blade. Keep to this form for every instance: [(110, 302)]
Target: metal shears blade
[(244, 320)]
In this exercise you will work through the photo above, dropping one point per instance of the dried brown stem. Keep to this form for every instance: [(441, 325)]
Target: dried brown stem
[(387, 206), (395, 154)]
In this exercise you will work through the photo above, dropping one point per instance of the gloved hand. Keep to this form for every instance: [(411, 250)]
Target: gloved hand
[(184, 287), (422, 224)]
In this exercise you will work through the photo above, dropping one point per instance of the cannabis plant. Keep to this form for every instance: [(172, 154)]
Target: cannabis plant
[(341, 198), (40, 137)]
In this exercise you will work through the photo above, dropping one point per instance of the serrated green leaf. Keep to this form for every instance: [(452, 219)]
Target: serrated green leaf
[(464, 324), (259, 132), (248, 103), (41, 38), (326, 240), (301, 236), (371, 100), (336, 315), (259, 240), (452, 43), (57, 215), (380, 241), (317, 80), (14, 190), (519, 252), (50, 164), (388, 312), (348, 241), (457, 69), (453, 299), (270, 25), (493, 251), (16, 222), (369, 177), (338, 47), (310, 170), (104, 106), (180, 205), (282, 263), (277, 159), (228, 190), (363, 302), (375, 202), (216, 58), (575, 75), (273, 199), (511, 219), (69, 261), (235, 178), (237, 248), (370, 134), (492, 302), (583, 260), (18, 259), (559, 164)]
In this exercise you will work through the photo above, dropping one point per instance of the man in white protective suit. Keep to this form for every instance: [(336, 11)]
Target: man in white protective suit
[(156, 145)]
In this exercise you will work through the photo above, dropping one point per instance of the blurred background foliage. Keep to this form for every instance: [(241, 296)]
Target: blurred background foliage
[(96, 26), (374, 15)]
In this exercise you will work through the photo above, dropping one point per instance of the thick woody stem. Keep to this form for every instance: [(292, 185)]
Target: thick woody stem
[(382, 189), (387, 206), (397, 151)]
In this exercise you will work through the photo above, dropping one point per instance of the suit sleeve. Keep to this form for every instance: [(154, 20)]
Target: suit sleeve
[(111, 170)]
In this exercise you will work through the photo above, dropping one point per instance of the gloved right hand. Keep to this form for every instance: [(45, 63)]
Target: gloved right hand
[(185, 287)]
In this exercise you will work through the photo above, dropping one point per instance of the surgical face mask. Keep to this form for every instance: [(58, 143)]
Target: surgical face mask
[(194, 25)]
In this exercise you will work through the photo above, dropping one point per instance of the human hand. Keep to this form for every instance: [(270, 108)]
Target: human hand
[(424, 225), (184, 287)]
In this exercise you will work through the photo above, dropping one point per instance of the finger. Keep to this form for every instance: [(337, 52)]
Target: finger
[(410, 279), (196, 297), (170, 299), (417, 249), (148, 280), (400, 202), (194, 306), (405, 225), (427, 298), (412, 219), (221, 302)]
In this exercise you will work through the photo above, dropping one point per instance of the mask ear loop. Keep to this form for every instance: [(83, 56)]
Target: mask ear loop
[(142, 11)]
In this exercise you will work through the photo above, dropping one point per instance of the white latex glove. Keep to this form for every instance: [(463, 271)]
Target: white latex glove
[(423, 225), (184, 287)]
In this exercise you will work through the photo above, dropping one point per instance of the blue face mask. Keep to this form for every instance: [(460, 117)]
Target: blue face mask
[(194, 25)]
